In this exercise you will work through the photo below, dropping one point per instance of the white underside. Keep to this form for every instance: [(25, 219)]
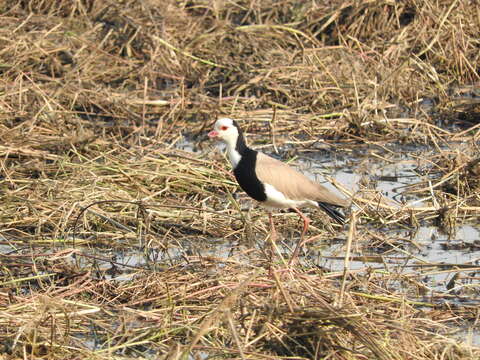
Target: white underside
[(276, 199), (233, 155)]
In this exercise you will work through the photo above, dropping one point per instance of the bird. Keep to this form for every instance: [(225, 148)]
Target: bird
[(273, 183)]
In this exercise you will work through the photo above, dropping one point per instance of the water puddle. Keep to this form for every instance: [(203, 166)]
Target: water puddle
[(443, 268), (424, 254)]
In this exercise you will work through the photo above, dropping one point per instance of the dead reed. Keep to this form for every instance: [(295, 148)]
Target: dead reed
[(107, 223)]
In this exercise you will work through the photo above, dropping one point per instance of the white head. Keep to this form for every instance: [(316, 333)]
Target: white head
[(226, 130)]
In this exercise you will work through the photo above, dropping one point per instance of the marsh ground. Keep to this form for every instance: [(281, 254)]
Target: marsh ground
[(123, 233)]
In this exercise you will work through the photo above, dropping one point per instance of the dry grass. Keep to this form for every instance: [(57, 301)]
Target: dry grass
[(232, 311), (96, 100)]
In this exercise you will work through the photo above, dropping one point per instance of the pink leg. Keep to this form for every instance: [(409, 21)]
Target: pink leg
[(273, 236), (273, 232), (271, 240), (306, 222)]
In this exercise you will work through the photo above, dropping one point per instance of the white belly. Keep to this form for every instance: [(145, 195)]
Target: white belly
[(276, 199)]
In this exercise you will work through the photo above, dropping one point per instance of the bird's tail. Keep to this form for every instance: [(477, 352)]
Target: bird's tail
[(332, 212)]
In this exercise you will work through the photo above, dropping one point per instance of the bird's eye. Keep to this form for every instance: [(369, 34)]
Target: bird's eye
[(223, 128)]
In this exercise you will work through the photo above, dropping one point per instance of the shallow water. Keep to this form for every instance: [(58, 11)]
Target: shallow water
[(431, 245), (425, 254), (388, 172)]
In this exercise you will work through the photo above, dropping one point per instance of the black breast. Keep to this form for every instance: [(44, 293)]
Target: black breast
[(246, 177)]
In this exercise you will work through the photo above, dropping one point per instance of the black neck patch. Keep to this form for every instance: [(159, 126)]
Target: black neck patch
[(241, 145), (245, 172)]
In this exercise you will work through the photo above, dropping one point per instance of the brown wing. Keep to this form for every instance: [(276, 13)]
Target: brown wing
[(291, 183)]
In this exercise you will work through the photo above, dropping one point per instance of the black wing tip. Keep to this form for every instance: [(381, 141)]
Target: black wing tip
[(333, 213)]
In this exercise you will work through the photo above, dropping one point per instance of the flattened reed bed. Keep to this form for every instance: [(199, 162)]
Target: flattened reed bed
[(231, 311), (94, 99), (45, 192), (159, 310), (103, 61), (168, 181)]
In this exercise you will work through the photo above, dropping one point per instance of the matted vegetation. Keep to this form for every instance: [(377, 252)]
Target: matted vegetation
[(106, 224)]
